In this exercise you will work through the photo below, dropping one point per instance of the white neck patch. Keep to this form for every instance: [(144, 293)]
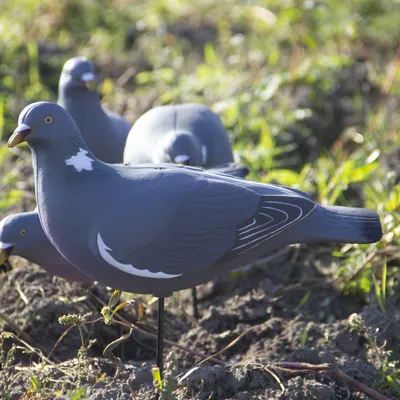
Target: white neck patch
[(128, 268), (80, 161)]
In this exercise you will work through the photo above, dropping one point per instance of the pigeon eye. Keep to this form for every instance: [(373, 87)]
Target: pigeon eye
[(48, 120), (22, 232)]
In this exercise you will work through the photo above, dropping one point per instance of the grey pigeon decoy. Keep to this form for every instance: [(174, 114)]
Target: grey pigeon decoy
[(188, 134), (159, 229), (105, 132), (22, 235)]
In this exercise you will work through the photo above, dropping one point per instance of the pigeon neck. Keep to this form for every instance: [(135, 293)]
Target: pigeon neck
[(63, 151), (73, 101)]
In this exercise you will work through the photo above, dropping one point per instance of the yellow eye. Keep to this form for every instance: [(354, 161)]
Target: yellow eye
[(48, 120), (22, 232)]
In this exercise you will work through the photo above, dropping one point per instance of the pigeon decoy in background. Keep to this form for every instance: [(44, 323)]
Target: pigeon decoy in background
[(159, 229), (188, 134), (22, 235), (105, 132)]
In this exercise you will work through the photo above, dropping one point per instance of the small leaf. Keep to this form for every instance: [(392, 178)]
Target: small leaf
[(35, 383), (264, 15), (362, 173), (114, 298), (304, 299), (107, 87), (285, 177), (384, 279), (157, 377), (272, 87), (210, 55), (266, 139), (394, 199), (10, 198)]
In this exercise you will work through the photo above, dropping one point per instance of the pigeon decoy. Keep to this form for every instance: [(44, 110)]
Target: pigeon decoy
[(22, 235), (159, 229), (188, 134), (105, 132)]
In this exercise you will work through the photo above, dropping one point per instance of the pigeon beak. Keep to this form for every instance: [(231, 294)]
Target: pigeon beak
[(182, 159), (19, 135), (5, 251), (89, 81)]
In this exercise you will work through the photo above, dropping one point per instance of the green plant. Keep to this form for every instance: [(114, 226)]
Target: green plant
[(389, 368), (380, 291), (169, 384)]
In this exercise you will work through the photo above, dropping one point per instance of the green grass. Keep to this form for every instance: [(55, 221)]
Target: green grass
[(249, 61)]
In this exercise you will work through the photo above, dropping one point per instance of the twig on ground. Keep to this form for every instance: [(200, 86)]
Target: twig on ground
[(296, 367)]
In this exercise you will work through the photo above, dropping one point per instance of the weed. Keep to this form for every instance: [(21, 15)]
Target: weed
[(390, 372)]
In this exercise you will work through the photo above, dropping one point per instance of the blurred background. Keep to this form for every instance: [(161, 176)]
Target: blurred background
[(308, 90)]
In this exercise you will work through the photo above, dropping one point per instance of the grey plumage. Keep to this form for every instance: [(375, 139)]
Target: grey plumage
[(233, 169), (158, 229), (190, 134), (22, 235), (105, 132)]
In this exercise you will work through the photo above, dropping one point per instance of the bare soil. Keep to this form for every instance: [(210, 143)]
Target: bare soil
[(288, 310)]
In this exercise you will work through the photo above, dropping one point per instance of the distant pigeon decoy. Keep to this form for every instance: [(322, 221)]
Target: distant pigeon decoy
[(104, 131), (22, 235), (159, 229), (188, 134)]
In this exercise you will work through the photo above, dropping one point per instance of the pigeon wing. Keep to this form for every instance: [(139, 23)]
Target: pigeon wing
[(216, 221)]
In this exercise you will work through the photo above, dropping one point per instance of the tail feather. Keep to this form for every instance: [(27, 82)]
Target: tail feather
[(339, 225), (350, 225)]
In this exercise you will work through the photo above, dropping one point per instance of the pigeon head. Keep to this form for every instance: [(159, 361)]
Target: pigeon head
[(18, 235), (78, 75), (42, 122), (180, 148)]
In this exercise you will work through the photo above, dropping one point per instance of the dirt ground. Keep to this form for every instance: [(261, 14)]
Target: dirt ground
[(288, 310)]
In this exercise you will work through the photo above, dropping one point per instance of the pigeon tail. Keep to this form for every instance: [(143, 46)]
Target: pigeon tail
[(345, 225)]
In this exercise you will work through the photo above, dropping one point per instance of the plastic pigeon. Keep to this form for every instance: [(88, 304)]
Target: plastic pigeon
[(104, 131), (188, 134), (154, 229), (22, 235)]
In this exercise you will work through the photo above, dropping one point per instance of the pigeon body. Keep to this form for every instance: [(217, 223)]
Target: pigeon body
[(189, 134), (105, 132), (159, 229), (22, 235)]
